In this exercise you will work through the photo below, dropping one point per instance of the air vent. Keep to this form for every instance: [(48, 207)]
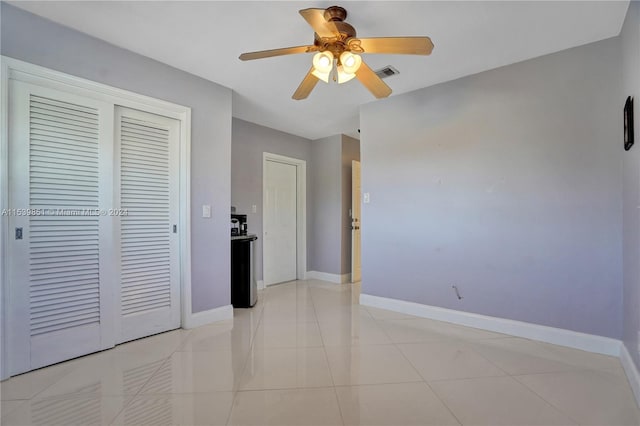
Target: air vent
[(387, 71)]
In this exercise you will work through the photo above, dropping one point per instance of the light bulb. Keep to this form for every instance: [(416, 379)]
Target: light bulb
[(323, 61), (350, 62)]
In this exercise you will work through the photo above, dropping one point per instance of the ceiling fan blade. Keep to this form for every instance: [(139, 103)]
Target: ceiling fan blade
[(371, 81), (307, 85), (322, 27), (277, 52), (398, 45)]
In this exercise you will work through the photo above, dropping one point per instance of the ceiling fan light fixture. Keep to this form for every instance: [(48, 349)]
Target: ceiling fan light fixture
[(323, 61), (324, 76), (350, 62), (344, 76), (337, 52)]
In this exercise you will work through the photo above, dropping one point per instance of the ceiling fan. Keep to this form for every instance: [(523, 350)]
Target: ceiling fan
[(338, 52)]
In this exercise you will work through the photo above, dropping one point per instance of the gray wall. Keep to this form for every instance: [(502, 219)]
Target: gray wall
[(350, 152), (328, 189), (249, 142), (631, 188), (507, 184), (326, 230), (330, 242), (32, 39)]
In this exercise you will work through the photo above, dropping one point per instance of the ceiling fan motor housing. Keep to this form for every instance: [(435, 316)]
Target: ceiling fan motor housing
[(336, 15)]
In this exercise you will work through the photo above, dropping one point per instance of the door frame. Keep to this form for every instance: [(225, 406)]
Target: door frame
[(23, 71), (301, 209), (356, 199)]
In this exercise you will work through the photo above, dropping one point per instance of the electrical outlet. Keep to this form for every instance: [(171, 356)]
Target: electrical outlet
[(366, 198), (254, 209)]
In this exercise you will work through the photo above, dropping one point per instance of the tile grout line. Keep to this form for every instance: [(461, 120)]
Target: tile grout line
[(411, 364), (395, 345), (467, 345), (61, 377), (324, 349), (296, 348), (246, 360), (424, 380), (128, 401), (542, 372), (544, 400), (443, 403)]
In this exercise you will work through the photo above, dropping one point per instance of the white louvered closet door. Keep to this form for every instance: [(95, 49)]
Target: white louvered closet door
[(147, 146), (60, 153)]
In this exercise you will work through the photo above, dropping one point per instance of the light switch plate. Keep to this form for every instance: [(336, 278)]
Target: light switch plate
[(366, 198), (254, 209), (206, 210)]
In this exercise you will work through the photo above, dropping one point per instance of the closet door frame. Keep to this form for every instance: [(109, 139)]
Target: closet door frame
[(13, 69)]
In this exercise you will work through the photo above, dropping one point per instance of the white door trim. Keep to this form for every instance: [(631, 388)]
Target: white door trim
[(14, 69), (301, 207), (356, 201), (4, 203)]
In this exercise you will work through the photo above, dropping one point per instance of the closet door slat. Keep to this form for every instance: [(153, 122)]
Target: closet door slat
[(52, 241)]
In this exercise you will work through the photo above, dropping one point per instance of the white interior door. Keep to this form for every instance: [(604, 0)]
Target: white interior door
[(280, 223), (147, 145), (356, 192), (60, 153)]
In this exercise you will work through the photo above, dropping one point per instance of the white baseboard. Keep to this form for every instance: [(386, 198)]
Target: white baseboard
[(332, 278), (556, 336), (207, 317), (260, 284), (631, 371)]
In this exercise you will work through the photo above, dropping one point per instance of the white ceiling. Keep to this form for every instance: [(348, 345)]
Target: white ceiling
[(205, 38)]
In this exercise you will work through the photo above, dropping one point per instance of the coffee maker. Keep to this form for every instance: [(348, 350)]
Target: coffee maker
[(238, 224)]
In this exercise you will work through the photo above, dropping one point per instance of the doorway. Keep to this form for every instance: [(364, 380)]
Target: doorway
[(284, 220)]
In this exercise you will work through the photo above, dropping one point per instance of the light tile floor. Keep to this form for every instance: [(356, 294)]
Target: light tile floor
[(308, 354)]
